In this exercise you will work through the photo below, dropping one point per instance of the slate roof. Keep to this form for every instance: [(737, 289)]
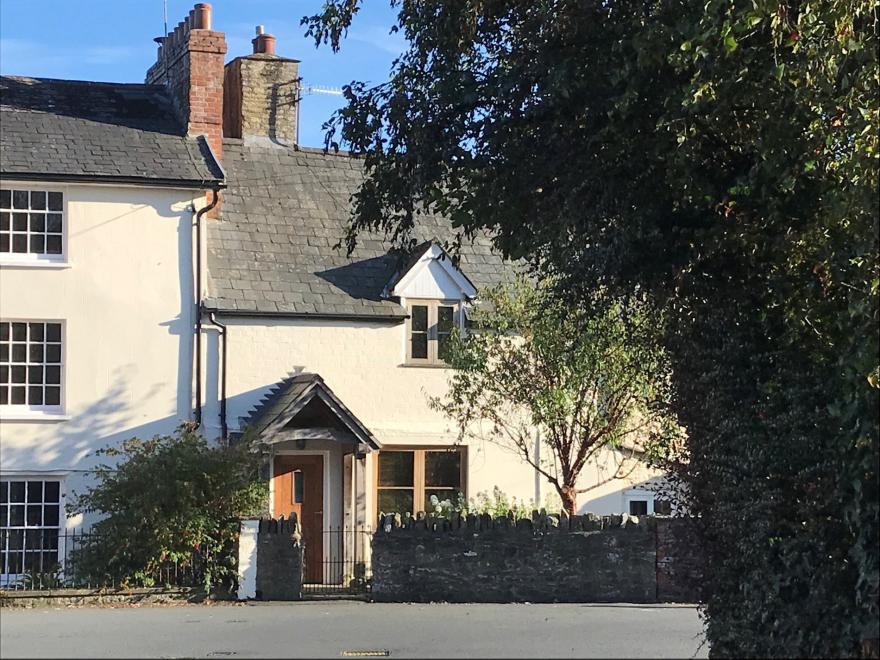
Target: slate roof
[(272, 251), (286, 399), (76, 130)]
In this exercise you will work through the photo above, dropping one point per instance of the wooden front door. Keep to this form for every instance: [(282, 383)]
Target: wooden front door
[(298, 487)]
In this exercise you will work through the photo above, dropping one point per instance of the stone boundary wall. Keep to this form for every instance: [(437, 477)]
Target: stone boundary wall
[(270, 559), (545, 559)]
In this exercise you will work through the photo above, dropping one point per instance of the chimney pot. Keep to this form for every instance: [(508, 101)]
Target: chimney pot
[(202, 20), (260, 30), (264, 43)]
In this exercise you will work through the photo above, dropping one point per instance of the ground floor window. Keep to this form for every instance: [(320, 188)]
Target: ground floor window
[(642, 503), (30, 519), (406, 479)]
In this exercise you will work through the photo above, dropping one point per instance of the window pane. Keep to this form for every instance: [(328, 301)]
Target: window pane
[(419, 318), (19, 375), (662, 507), (55, 201), (35, 395), (450, 494), (444, 319), (36, 331), (298, 487), (4, 491), (38, 222), (395, 501), (53, 375), (36, 353), (38, 244), (19, 331), (4, 243), (53, 396), (443, 344), (35, 375), (396, 468), (4, 395), (53, 353), (35, 515), (53, 245), (20, 243), (5, 199), (19, 221), (420, 346), (19, 199), (38, 199), (4, 354), (34, 491), (4, 221), (17, 396), (53, 332), (19, 353), (16, 491), (4, 331), (443, 468), (53, 222), (53, 490), (16, 515), (4, 520), (638, 507)]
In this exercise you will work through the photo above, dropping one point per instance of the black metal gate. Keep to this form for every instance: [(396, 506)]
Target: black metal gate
[(338, 564)]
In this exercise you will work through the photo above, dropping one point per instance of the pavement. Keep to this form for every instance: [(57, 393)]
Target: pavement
[(335, 629)]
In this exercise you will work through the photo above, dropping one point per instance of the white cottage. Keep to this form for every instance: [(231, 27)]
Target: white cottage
[(130, 301)]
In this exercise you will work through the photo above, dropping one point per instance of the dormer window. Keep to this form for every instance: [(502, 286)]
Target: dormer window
[(429, 330), (435, 293)]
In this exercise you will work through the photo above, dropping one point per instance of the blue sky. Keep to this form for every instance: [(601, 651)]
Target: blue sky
[(112, 40)]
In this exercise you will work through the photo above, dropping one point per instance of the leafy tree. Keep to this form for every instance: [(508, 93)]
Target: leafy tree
[(722, 159), (173, 499), (584, 381)]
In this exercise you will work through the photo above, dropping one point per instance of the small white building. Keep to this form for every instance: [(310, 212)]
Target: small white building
[(118, 304)]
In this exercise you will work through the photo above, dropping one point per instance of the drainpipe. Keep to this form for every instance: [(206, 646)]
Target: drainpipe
[(224, 428), (214, 200)]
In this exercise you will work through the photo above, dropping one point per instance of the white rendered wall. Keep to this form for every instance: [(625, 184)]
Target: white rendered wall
[(125, 299), (362, 362)]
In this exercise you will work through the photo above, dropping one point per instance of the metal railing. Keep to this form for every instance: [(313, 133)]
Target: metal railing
[(337, 563), (44, 559)]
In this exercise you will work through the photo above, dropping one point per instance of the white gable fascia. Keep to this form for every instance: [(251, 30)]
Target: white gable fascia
[(435, 277)]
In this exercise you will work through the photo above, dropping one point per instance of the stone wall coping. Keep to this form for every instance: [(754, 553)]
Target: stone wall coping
[(540, 522)]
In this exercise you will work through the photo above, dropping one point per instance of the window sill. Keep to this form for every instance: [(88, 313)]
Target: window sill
[(33, 416), (34, 263), (426, 365)]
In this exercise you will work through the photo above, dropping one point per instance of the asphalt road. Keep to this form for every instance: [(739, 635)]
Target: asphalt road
[(334, 629)]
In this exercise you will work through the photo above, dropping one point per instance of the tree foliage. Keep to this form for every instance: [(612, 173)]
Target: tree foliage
[(584, 381), (170, 500), (722, 159)]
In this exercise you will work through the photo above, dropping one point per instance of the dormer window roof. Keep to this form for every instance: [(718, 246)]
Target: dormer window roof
[(430, 274)]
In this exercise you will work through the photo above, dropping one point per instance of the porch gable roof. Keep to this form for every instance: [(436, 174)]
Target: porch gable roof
[(290, 397)]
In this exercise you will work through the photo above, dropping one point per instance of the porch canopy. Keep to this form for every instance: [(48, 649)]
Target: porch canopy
[(304, 408)]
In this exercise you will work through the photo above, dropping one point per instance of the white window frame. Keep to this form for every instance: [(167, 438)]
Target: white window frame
[(25, 411), (8, 579), (34, 260), (457, 321)]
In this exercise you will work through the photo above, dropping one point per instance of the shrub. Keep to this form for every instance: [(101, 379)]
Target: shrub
[(173, 500)]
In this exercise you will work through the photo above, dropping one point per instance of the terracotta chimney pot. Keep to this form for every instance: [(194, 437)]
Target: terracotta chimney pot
[(202, 15)]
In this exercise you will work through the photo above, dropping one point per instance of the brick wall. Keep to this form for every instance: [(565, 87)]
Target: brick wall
[(190, 63), (547, 559)]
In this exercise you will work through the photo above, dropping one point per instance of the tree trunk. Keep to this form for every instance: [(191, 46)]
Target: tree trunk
[(569, 499)]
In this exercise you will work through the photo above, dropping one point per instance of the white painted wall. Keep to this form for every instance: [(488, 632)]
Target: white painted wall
[(362, 362), (125, 299)]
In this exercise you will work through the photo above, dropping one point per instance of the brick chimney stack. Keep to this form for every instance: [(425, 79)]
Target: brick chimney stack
[(261, 95), (190, 64)]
